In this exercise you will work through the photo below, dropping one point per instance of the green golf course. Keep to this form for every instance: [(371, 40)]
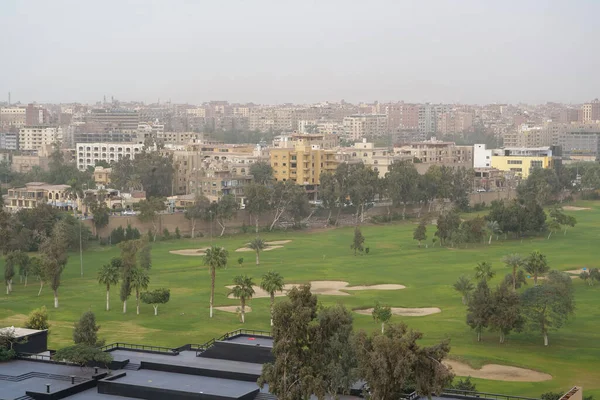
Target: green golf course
[(572, 358)]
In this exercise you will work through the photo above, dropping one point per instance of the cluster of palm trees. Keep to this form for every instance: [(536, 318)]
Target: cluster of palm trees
[(244, 287), (535, 265)]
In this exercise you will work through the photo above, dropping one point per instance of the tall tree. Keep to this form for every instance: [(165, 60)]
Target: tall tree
[(109, 275), (13, 261), (257, 201), (536, 265), (357, 241), (402, 180), (258, 245), (262, 172), (271, 283), (514, 261), (420, 232), (389, 362), (215, 258), (139, 280), (291, 376), (54, 257), (484, 272), (156, 297), (197, 211), (243, 289), (329, 193), (548, 306), (145, 255), (506, 315), (129, 250), (464, 286), (363, 183), (150, 212), (480, 308), (225, 210), (382, 314)]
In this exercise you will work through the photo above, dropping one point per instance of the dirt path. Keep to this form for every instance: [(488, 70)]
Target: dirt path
[(498, 372), (405, 312), (190, 252)]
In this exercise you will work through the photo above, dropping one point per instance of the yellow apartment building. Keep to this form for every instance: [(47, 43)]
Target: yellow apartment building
[(302, 164), (521, 161)]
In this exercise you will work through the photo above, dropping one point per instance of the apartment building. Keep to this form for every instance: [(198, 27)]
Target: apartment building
[(324, 141), (114, 120), (35, 193), (378, 158), (78, 136), (35, 114), (591, 111), (102, 175), (482, 157), (450, 123), (88, 154), (434, 151), (36, 137), (9, 141), (215, 183), (521, 161), (179, 137), (528, 135), (24, 163), (12, 116), (359, 126), (302, 164)]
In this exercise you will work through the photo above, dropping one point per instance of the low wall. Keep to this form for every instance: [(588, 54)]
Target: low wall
[(178, 220), (239, 352)]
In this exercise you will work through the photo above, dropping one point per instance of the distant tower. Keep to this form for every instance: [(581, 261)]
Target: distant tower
[(104, 99)]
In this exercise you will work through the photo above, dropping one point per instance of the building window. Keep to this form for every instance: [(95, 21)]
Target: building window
[(515, 162), (536, 164)]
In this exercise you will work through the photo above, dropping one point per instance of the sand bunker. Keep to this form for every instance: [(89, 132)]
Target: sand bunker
[(190, 252), (233, 309), (572, 208), (328, 288), (498, 372), (405, 312), (265, 249)]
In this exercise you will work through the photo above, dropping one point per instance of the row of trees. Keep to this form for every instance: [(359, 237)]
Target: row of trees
[(317, 352), (541, 308)]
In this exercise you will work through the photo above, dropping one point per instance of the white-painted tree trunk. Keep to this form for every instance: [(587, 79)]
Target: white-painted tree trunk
[(545, 339), (107, 300), (257, 258), (55, 299), (137, 303), (124, 306), (243, 314), (155, 309), (382, 327), (25, 280), (490, 241), (41, 287), (211, 308)]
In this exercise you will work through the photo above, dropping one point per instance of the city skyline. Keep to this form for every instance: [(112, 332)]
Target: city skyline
[(275, 52)]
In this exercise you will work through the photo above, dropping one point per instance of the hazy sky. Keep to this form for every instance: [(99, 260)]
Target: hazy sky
[(275, 51)]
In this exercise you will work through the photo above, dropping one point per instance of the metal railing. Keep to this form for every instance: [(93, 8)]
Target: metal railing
[(482, 395), (203, 347), (133, 346), (32, 356)]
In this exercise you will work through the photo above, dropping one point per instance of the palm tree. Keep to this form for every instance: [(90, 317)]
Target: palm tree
[(464, 286), (514, 261), (243, 290), (536, 265), (139, 281), (257, 245), (494, 229), (483, 271), (272, 282), (109, 275), (215, 258)]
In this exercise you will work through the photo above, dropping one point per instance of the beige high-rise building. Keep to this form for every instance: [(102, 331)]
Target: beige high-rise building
[(36, 137), (302, 164), (12, 116), (359, 126), (528, 135), (378, 158), (591, 111), (437, 152)]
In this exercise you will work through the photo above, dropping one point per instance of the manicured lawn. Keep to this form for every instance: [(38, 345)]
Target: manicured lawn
[(573, 357)]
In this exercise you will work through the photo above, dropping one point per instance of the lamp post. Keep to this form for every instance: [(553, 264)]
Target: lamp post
[(80, 240)]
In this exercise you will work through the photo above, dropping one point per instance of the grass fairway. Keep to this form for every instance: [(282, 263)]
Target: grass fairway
[(573, 357)]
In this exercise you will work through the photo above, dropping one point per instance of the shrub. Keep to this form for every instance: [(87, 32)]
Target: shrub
[(177, 233), (464, 384), (132, 233), (117, 235), (166, 234), (367, 249), (551, 395), (82, 355), (38, 319), (85, 331)]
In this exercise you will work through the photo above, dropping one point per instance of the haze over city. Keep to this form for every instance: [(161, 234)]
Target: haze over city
[(271, 51)]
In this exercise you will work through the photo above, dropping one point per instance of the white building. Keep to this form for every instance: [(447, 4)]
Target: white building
[(482, 158), (36, 137), (88, 154)]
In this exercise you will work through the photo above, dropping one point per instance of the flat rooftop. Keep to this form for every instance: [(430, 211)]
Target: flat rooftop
[(188, 359), (20, 332), (189, 383), (251, 340)]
